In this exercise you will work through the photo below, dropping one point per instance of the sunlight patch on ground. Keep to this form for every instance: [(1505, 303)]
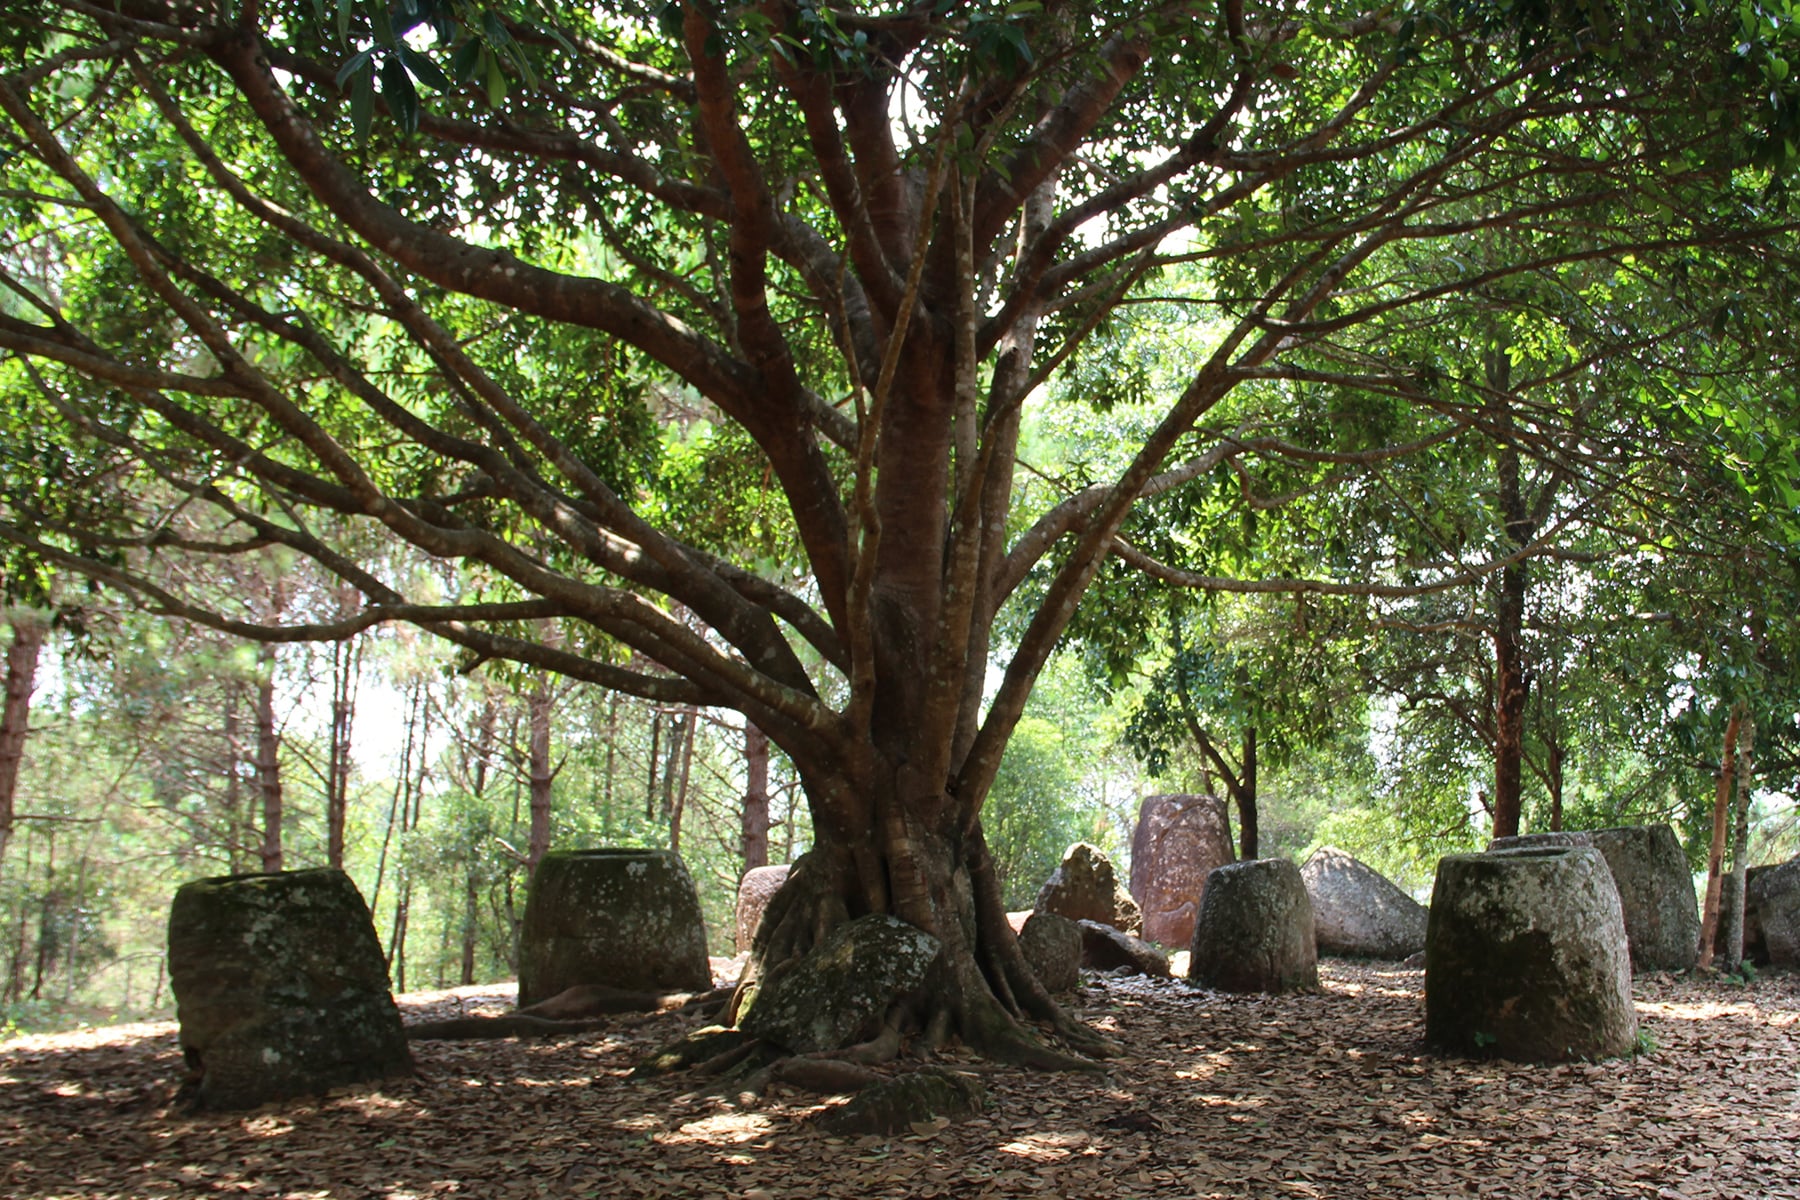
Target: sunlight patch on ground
[(1048, 1147), (1698, 1012), (93, 1038), (724, 1129)]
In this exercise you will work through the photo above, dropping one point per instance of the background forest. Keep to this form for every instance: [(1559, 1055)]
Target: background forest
[(159, 752)]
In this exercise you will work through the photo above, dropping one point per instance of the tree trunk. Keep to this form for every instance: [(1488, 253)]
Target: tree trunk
[(755, 820), (268, 761), (679, 807), (939, 878), (1246, 799), (15, 717), (1733, 921), (542, 775), (237, 826), (471, 922), (1715, 855), (1556, 786), (346, 669)]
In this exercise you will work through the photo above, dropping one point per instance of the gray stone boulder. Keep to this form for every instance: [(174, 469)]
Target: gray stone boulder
[(838, 993), (1084, 888), (755, 890), (1774, 894), (1756, 950), (626, 918), (1178, 841), (1527, 841), (281, 989), (1255, 930), (1656, 895), (1104, 948), (1526, 957), (1052, 946), (1357, 911)]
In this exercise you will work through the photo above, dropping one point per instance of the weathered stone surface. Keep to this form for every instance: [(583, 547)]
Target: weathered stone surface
[(1775, 893), (837, 993), (1255, 930), (1179, 839), (1017, 920), (1084, 888), (1357, 911), (896, 1105), (1104, 948), (1526, 957), (624, 917), (755, 890), (1526, 841), (1756, 950), (281, 988), (1656, 895), (1052, 946)]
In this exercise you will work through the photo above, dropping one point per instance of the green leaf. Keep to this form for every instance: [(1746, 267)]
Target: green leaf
[(362, 104), (357, 63), (422, 68), (402, 98)]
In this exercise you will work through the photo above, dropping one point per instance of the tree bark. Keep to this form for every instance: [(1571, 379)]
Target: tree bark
[(1556, 786), (268, 761), (15, 716), (1733, 920), (1246, 798), (755, 818), (542, 773), (346, 669), (1715, 855)]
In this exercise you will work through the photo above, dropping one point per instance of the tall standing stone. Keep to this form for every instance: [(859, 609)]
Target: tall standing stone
[(1178, 841), (755, 890), (1656, 895), (1084, 888), (625, 918), (1774, 896), (281, 988)]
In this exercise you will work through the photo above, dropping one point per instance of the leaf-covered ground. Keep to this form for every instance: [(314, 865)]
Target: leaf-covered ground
[(1323, 1095)]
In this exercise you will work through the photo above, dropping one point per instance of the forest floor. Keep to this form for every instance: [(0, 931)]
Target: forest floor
[(1328, 1094)]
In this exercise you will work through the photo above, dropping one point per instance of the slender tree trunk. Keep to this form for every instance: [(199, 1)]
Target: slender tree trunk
[(471, 921), (1715, 855), (679, 807), (268, 761), (15, 716), (1556, 786), (542, 774), (656, 763), (1732, 919), (346, 669), (237, 842), (1246, 798), (755, 819)]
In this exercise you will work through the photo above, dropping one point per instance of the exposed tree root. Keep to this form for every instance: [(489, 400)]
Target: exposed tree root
[(581, 1009), (594, 1000), (508, 1025)]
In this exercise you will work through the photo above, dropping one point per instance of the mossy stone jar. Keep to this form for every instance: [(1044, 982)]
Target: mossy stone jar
[(281, 989), (626, 918), (1526, 957)]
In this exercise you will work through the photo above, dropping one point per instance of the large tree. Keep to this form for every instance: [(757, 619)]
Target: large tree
[(293, 257)]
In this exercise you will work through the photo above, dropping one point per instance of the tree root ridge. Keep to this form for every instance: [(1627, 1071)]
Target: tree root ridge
[(582, 1009)]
